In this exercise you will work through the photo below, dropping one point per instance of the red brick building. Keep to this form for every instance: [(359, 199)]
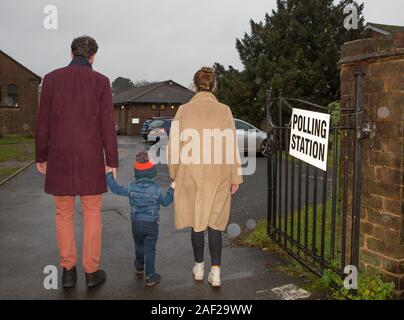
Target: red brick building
[(136, 105), (18, 96), (373, 30)]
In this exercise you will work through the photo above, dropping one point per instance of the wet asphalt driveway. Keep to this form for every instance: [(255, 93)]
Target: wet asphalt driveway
[(27, 244)]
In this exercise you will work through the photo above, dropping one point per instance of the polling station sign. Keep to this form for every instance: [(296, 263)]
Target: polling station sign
[(309, 137)]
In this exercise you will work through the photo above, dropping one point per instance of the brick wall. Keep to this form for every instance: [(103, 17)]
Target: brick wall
[(21, 119), (382, 208)]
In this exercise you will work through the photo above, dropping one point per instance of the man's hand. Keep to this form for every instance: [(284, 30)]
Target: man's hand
[(109, 169), (41, 167), (233, 188)]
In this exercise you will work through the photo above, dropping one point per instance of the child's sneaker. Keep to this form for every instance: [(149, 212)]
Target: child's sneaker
[(214, 277), (199, 271), (153, 280), (139, 270)]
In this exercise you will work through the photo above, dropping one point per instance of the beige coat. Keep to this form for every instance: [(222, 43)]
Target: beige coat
[(202, 190)]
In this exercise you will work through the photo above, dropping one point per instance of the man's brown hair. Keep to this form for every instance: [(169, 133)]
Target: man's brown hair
[(84, 46)]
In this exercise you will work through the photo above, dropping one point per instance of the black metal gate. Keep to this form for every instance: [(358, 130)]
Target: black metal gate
[(312, 214)]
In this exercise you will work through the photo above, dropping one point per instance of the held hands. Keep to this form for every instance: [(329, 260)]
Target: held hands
[(109, 169), (172, 184), (41, 167)]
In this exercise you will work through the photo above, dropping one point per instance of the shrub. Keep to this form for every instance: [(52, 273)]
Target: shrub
[(370, 287), (335, 113)]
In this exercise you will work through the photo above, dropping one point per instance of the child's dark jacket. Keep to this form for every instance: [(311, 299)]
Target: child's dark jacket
[(145, 197)]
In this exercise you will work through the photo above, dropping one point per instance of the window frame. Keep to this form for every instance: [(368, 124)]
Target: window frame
[(11, 98)]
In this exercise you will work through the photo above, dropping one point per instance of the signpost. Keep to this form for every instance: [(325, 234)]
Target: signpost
[(309, 137)]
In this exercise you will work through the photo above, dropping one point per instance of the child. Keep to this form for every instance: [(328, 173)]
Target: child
[(145, 197)]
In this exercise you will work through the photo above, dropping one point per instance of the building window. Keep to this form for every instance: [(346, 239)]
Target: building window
[(12, 96), (162, 107), (154, 107)]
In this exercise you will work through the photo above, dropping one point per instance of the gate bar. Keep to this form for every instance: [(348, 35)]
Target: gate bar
[(269, 160), (285, 213), (344, 203), (334, 193), (280, 147), (299, 202), (357, 188), (306, 211)]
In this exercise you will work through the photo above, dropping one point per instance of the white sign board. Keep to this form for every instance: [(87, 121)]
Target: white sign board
[(309, 137), (135, 120)]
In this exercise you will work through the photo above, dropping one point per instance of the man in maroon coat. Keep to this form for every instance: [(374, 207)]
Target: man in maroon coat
[(75, 127)]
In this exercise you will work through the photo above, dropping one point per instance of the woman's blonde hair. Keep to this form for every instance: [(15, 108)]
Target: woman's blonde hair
[(205, 79)]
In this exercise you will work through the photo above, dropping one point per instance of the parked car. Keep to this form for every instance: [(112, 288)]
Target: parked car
[(244, 131), (146, 126), (158, 129)]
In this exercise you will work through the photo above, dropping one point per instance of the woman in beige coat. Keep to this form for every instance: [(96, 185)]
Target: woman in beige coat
[(203, 160)]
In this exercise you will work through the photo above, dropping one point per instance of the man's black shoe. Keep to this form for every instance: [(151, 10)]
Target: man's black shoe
[(69, 278), (95, 278)]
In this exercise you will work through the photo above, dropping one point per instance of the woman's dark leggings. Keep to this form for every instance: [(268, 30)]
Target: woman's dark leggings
[(215, 245)]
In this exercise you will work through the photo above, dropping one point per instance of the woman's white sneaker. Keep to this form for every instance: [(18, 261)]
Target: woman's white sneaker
[(214, 277), (199, 271)]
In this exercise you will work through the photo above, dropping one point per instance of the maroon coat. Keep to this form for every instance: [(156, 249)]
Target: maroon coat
[(74, 127)]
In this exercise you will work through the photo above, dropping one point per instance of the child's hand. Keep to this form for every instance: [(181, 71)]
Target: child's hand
[(172, 185), (107, 169)]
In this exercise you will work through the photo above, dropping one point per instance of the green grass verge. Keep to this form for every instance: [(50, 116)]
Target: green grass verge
[(6, 172), (259, 239), (15, 152), (370, 287), (313, 218), (16, 148), (15, 140)]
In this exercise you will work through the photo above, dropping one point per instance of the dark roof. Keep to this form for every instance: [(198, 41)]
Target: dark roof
[(160, 92), (21, 65), (383, 28)]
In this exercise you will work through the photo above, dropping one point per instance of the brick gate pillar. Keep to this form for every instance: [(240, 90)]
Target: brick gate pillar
[(382, 208)]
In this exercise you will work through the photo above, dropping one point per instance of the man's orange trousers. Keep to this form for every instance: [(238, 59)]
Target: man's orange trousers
[(92, 229)]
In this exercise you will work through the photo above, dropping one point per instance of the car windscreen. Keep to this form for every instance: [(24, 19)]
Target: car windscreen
[(240, 125), (157, 124)]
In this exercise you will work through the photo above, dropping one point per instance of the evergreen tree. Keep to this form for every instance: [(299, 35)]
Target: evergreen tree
[(296, 49), (121, 84)]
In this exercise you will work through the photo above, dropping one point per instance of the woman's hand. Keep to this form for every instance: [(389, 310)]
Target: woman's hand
[(233, 188), (172, 184)]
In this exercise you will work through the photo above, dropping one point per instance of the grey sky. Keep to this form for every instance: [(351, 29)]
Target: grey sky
[(144, 39)]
